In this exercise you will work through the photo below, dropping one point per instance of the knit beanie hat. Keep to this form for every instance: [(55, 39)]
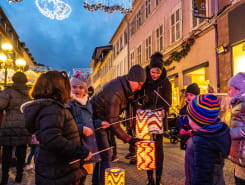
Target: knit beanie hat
[(19, 77), (204, 109), (193, 89), (136, 74), (238, 81), (79, 79), (156, 60)]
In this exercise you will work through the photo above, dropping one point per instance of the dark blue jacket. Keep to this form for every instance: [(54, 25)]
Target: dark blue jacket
[(83, 117), (205, 157)]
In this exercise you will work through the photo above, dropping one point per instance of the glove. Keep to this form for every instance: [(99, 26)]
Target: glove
[(134, 140)]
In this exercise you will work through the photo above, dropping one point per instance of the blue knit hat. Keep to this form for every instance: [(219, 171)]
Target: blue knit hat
[(204, 109)]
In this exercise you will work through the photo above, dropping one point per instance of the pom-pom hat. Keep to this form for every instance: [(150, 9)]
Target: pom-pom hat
[(238, 81), (204, 109), (79, 79)]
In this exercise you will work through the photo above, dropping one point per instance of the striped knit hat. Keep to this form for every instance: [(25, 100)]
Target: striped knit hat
[(204, 109)]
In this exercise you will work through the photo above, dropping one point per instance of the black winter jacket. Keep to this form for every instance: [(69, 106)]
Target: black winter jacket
[(59, 140), (111, 102)]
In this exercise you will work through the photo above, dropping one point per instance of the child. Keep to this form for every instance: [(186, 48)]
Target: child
[(81, 109), (237, 154), (33, 152), (56, 130), (184, 128), (210, 142)]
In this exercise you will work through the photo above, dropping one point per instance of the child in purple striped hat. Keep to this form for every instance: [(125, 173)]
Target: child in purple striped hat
[(210, 142)]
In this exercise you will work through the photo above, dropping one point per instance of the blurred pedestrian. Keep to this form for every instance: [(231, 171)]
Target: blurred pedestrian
[(157, 81), (191, 92), (108, 104), (13, 132), (58, 160), (237, 154), (33, 152), (210, 142), (82, 111)]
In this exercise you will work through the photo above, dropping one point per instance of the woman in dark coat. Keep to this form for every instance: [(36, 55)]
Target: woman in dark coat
[(13, 132), (58, 160), (157, 84)]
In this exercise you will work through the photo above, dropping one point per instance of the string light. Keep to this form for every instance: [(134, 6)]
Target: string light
[(54, 9), (109, 6)]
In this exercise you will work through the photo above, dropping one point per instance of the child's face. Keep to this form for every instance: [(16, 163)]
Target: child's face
[(78, 90), (233, 91), (189, 97)]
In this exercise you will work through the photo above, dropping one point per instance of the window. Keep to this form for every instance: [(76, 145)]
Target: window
[(176, 26), (132, 59), (125, 38), (133, 27), (139, 19), (196, 21), (157, 2), (147, 7), (139, 61), (121, 43), (159, 38), (148, 47)]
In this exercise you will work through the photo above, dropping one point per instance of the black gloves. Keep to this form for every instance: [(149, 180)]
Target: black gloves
[(134, 140)]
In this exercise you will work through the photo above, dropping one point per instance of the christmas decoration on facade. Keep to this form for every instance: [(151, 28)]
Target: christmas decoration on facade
[(177, 55), (109, 6), (145, 153), (54, 9), (114, 176)]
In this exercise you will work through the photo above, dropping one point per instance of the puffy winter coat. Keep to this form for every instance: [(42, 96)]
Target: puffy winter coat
[(13, 131), (237, 154), (111, 102), (59, 140), (205, 155)]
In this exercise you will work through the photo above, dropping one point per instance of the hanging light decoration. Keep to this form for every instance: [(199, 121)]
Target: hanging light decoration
[(114, 176), (109, 6), (145, 153), (15, 1), (54, 9)]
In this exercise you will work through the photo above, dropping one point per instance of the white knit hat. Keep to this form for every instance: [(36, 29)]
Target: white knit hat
[(238, 81), (79, 79)]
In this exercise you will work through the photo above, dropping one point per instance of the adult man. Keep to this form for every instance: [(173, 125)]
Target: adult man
[(108, 105)]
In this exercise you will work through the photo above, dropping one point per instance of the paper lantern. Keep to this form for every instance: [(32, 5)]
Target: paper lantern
[(145, 153), (155, 123), (114, 176), (141, 124)]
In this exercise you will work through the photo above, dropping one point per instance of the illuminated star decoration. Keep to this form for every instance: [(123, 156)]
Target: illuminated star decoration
[(54, 9)]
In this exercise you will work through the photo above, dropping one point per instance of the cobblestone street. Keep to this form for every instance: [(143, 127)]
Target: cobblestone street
[(173, 173)]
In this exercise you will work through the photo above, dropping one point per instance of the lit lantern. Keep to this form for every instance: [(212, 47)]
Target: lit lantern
[(145, 155), (155, 123), (141, 124), (114, 176)]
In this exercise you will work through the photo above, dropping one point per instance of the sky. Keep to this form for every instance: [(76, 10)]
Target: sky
[(64, 44)]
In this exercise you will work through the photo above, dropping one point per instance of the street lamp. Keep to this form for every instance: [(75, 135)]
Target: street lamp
[(21, 63), (7, 48)]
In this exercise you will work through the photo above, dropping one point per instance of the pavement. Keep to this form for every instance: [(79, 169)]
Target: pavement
[(173, 172)]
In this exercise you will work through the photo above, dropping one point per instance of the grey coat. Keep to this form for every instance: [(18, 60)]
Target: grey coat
[(13, 131)]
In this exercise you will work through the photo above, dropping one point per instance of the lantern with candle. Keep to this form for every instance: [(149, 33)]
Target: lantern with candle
[(145, 153), (114, 176), (155, 123), (142, 124)]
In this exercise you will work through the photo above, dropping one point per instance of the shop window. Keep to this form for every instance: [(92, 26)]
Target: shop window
[(175, 95), (238, 58), (199, 76)]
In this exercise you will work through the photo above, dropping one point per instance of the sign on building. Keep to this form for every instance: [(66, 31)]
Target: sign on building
[(199, 8)]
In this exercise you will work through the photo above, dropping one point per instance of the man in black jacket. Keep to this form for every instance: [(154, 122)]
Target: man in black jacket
[(108, 105)]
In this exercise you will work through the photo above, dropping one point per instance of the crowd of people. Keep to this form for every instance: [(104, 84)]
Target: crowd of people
[(71, 132)]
